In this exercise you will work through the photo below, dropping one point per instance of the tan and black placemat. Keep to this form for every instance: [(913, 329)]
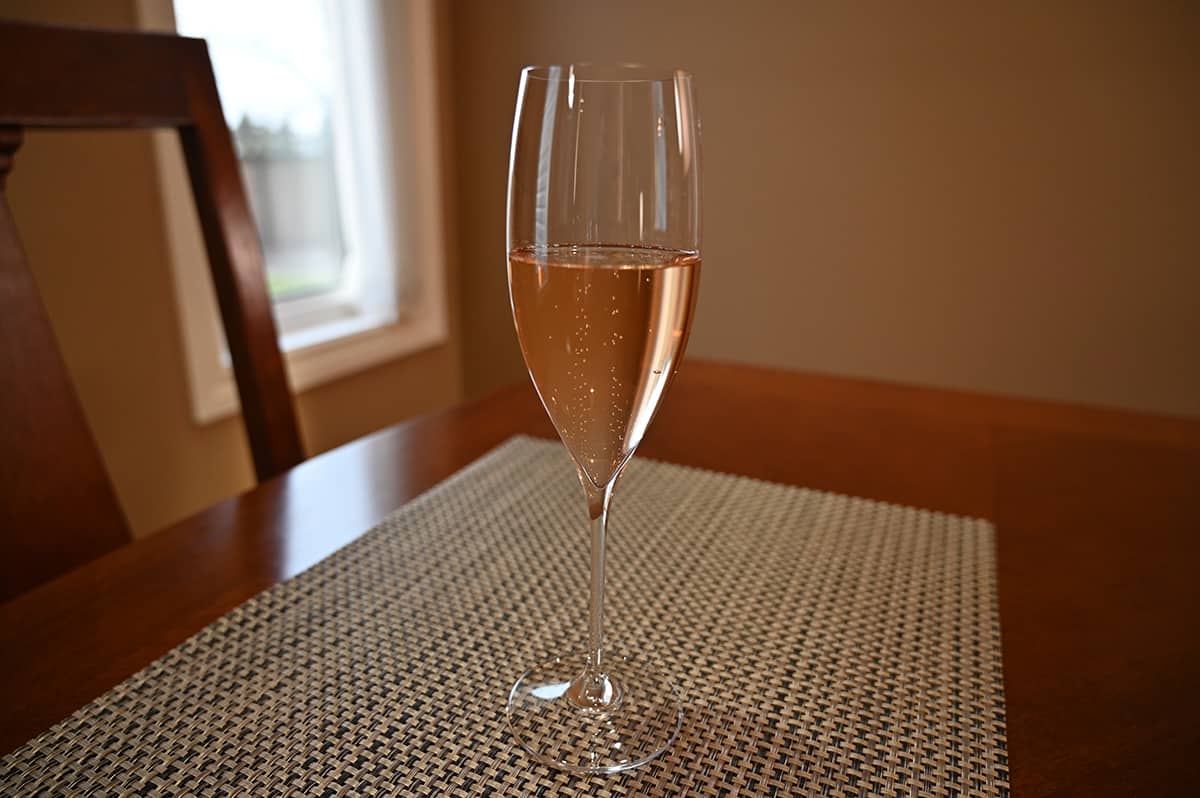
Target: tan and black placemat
[(823, 645)]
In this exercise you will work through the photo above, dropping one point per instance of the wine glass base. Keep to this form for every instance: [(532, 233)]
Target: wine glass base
[(555, 729)]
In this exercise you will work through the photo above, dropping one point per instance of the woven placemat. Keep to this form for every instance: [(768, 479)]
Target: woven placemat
[(823, 645)]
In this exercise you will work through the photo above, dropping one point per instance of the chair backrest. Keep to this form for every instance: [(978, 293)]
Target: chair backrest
[(57, 506)]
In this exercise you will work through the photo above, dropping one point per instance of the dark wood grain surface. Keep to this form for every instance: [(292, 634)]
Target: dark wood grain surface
[(1096, 512)]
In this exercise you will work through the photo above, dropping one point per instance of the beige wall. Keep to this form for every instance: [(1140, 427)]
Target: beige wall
[(89, 212), (1002, 197)]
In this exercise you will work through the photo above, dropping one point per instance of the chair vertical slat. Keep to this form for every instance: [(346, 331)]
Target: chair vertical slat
[(236, 260)]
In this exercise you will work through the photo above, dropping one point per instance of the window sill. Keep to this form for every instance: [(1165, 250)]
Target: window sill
[(344, 351)]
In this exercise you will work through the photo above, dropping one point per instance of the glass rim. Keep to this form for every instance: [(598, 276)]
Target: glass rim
[(582, 72)]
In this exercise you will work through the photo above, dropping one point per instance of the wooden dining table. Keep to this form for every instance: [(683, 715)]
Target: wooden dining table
[(1096, 511)]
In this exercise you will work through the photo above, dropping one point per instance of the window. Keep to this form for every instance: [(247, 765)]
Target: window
[(276, 65), (331, 107)]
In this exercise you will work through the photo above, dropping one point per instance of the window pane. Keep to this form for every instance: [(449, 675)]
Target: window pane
[(275, 72)]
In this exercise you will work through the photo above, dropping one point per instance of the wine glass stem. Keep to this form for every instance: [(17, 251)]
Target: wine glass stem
[(598, 500)]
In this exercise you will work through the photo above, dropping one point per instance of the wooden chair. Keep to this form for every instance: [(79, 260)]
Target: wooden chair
[(57, 506)]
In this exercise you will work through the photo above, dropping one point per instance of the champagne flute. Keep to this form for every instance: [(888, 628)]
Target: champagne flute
[(603, 271)]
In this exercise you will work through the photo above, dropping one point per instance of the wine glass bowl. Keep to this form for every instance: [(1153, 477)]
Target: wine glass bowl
[(602, 328), (604, 268)]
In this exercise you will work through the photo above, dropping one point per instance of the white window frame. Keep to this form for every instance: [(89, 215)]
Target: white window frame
[(335, 335)]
